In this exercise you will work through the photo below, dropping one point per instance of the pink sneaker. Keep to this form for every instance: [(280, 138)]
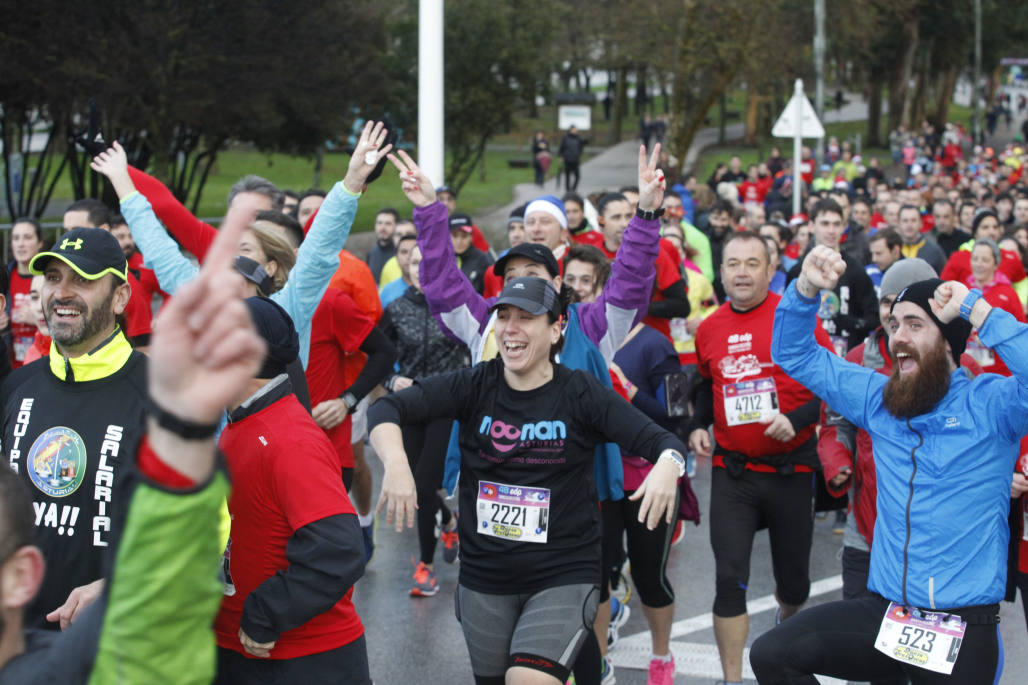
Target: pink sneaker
[(661, 672)]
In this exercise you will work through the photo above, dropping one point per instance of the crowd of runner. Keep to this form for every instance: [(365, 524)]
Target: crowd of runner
[(865, 357)]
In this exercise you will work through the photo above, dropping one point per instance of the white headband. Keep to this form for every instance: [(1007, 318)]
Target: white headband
[(549, 208)]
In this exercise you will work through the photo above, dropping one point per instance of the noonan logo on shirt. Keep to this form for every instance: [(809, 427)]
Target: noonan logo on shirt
[(57, 461), (507, 436)]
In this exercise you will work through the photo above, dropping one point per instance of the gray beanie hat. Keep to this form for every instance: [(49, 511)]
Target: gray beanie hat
[(904, 273)]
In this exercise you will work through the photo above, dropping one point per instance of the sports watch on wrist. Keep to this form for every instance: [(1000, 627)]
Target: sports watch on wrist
[(350, 401), (678, 460), (968, 304), (649, 214)]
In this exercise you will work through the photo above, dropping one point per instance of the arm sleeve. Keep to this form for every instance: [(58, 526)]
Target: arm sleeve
[(445, 395), (805, 414), (625, 425), (326, 557), (318, 256), (652, 403), (381, 357), (1009, 409), (626, 297), (160, 252), (843, 385), (164, 583), (453, 301), (674, 304), (195, 235)]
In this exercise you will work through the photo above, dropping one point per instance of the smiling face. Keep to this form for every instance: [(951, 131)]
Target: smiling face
[(922, 362), (983, 264), (525, 341), (36, 303), (80, 312)]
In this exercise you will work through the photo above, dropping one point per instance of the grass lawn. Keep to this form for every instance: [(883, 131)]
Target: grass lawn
[(489, 186)]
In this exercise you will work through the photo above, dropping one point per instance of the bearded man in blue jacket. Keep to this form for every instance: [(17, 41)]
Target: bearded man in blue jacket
[(944, 448)]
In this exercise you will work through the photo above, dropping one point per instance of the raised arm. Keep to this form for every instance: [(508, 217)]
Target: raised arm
[(195, 235), (460, 310), (842, 385), (159, 251), (318, 257), (626, 297)]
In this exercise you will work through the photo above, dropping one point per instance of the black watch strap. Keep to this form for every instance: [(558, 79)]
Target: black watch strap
[(649, 214), (190, 430)]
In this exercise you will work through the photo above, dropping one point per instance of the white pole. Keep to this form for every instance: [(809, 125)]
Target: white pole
[(797, 144), (431, 139)]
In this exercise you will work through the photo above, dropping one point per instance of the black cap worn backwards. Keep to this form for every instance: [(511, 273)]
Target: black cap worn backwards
[(955, 332), (276, 328), (534, 295), (90, 252), (535, 252)]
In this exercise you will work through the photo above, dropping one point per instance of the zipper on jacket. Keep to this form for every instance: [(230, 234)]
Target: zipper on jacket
[(910, 499)]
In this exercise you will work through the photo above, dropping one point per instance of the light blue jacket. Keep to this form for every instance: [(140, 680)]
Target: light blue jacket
[(940, 540), (316, 261)]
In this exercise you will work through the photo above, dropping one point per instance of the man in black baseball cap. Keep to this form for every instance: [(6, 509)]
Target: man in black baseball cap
[(85, 287)]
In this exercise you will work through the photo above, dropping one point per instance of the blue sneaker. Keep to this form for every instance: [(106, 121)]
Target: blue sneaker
[(619, 613), (607, 672)]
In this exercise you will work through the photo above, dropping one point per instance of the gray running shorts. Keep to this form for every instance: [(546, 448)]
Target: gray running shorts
[(543, 630)]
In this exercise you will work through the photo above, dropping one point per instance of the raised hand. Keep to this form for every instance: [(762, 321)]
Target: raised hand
[(416, 185), (947, 299), (651, 180), (113, 163), (822, 268), (366, 154)]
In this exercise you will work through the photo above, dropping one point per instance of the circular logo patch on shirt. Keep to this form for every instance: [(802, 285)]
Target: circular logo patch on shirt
[(829, 305), (57, 461)]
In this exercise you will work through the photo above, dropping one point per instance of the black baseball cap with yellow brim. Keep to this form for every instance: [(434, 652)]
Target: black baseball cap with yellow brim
[(90, 252)]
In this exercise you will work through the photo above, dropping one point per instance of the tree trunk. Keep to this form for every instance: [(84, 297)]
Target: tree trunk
[(900, 76), (641, 96), (917, 106), (911, 34), (752, 111), (947, 83), (874, 113), (688, 114), (620, 102)]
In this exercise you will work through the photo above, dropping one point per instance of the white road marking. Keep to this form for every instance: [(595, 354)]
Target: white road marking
[(701, 659)]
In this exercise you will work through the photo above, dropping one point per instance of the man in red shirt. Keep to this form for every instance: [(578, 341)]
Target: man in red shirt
[(670, 298), (146, 277), (766, 452), (295, 549)]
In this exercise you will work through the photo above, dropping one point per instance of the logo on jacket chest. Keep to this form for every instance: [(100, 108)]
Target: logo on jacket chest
[(57, 461), (740, 342)]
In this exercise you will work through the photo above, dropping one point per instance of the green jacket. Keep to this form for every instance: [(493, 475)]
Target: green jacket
[(153, 623)]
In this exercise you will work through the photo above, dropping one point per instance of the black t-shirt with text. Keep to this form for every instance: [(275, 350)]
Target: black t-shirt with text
[(527, 469)]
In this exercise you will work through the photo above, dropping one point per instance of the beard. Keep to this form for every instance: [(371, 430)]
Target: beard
[(913, 394), (92, 322)]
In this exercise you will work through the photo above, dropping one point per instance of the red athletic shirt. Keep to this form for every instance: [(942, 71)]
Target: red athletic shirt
[(354, 278), (138, 313), (146, 277), (22, 334), (40, 348), (337, 331), (285, 475), (734, 349), (958, 268), (594, 238), (493, 284)]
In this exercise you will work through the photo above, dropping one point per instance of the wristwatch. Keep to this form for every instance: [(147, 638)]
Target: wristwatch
[(678, 460), (350, 401), (968, 304), (649, 214)]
